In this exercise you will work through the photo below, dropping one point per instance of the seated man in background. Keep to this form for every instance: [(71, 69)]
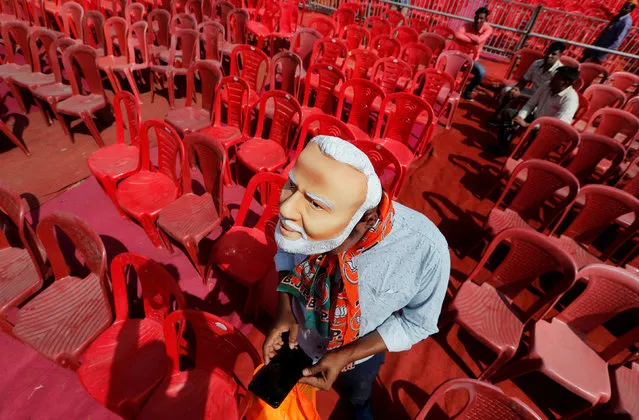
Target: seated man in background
[(555, 99), (361, 274), (476, 33), (539, 73)]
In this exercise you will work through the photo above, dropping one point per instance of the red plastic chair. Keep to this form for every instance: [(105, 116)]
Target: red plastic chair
[(22, 266), (417, 55), (458, 65), (385, 46), (194, 8), (115, 162), (83, 103), (144, 194), (595, 149), (623, 381), (62, 320), (343, 16), (624, 81), (159, 32), (633, 106), (128, 360), (287, 26), (356, 36), (391, 74), (445, 31), (436, 87), (384, 161), (570, 62), (134, 12), (268, 21), (269, 154), (328, 78), (395, 17), (236, 30), (252, 65), (405, 34), (302, 43), (559, 348), (484, 401), (233, 94), (617, 124), (499, 326), (190, 119), (602, 205), (519, 65), (601, 96), (358, 63), (15, 140), (536, 204), (93, 30), (363, 96), (182, 21), (191, 217), (246, 253), (400, 124), (435, 42), (418, 24), (71, 15), (324, 26), (115, 29), (330, 51), (377, 25), (592, 73), (212, 35), (138, 56), (15, 35), (286, 72), (211, 389), (222, 9)]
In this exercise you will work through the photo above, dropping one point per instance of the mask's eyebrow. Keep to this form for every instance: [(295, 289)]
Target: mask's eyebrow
[(321, 200)]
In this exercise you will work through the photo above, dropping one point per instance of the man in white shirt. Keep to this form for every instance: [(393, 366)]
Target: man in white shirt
[(539, 73), (361, 274), (556, 99)]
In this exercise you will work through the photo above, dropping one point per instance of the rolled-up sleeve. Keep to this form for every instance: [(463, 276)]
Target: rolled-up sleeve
[(418, 319), (284, 261)]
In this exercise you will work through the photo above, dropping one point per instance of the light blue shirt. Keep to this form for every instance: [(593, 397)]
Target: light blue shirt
[(402, 284)]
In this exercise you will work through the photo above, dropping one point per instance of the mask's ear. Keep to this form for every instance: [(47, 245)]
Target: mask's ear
[(370, 218)]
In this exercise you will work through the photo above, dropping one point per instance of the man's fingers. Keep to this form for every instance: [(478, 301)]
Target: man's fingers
[(313, 381), (313, 370), (292, 336)]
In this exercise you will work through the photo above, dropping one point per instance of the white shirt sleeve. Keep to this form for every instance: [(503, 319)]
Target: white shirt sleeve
[(529, 73), (532, 103), (569, 107)]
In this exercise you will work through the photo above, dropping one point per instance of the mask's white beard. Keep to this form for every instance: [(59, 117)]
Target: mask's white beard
[(311, 247)]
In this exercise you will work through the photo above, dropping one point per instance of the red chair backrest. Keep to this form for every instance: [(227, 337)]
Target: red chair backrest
[(569, 62), (236, 92), (72, 14), (115, 30), (484, 401), (210, 158), (223, 9), (303, 41), (436, 86), (402, 120), (435, 42), (271, 15), (184, 40), (161, 37), (85, 240), (15, 34), (377, 25), (600, 96), (134, 12), (612, 122), (210, 78), (553, 136), (133, 117), (418, 24), (328, 51), (287, 113), (358, 62), (388, 71), (270, 186), (530, 256), (633, 106), (212, 35), (288, 66), (170, 152), (416, 55), (405, 34), (383, 160), (42, 38), (322, 125), (445, 31), (591, 73), (521, 62), (593, 149), (93, 29), (543, 180), (603, 205), (290, 17), (138, 32), (236, 26), (323, 25), (328, 78), (385, 46), (624, 81), (160, 291), (343, 16), (86, 58), (254, 66), (194, 8), (457, 64), (365, 93), (356, 36), (395, 17), (183, 21)]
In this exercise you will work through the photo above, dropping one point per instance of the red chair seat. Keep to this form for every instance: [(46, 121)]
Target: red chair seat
[(115, 161), (146, 193), (11, 69), (110, 61), (308, 111), (81, 104), (577, 252), (164, 54), (262, 155), (57, 91), (188, 119), (125, 363), (500, 220), (359, 133), (193, 394), (18, 277), (64, 317), (170, 69), (482, 312), (625, 382), (403, 153), (33, 79), (244, 254), (190, 216), (227, 135), (577, 367), (158, 51), (257, 28)]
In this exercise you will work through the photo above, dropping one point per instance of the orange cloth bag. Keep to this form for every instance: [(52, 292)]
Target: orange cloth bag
[(299, 404)]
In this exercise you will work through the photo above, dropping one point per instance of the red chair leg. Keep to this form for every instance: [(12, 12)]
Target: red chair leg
[(515, 369), (109, 188), (134, 85), (62, 122), (7, 131), (15, 91), (171, 87), (494, 367), (43, 112), (152, 232), (152, 84), (193, 253), (88, 120)]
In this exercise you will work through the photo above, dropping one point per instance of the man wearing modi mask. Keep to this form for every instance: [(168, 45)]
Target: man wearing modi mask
[(360, 274)]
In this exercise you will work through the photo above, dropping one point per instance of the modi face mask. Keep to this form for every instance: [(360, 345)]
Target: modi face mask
[(331, 186)]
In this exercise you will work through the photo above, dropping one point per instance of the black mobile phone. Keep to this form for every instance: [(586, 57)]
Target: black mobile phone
[(273, 382)]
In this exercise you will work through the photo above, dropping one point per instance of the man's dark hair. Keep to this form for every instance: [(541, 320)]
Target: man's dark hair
[(568, 74), (482, 11), (556, 46)]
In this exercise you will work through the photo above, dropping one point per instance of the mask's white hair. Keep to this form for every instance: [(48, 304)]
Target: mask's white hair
[(343, 152)]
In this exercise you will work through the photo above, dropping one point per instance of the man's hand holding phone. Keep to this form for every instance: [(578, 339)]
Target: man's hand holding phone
[(285, 322)]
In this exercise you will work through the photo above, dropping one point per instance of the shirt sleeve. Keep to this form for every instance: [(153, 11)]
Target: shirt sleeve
[(418, 319), (284, 261), (531, 104), (531, 70), (462, 35), (484, 34), (569, 107)]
